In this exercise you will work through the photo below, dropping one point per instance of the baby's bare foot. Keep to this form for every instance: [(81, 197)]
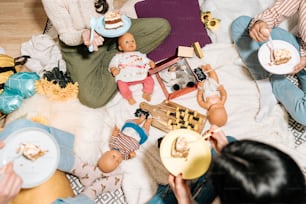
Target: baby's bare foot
[(146, 96), (131, 101)]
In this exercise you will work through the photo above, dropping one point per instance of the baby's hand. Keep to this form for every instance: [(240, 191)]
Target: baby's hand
[(114, 71), (201, 84), (152, 64), (206, 67), (132, 155)]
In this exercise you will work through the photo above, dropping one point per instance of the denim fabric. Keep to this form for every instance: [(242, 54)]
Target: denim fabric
[(290, 96), (80, 199), (293, 98), (201, 189), (248, 48)]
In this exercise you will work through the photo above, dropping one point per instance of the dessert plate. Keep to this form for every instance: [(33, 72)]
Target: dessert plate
[(112, 33), (195, 164), (264, 57), (34, 172)]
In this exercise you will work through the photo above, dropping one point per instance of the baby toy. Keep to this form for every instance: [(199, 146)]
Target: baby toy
[(169, 116), (212, 96), (125, 142), (209, 22), (131, 67)]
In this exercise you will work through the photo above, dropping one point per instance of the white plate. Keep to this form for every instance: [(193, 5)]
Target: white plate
[(198, 160), (35, 172), (264, 57), (112, 33)]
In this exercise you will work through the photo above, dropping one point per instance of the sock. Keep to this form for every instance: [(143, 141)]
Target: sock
[(85, 172), (106, 183), (267, 100)]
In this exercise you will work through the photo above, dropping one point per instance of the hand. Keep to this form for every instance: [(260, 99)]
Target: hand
[(206, 67), (201, 84), (217, 138), (151, 64), (115, 131), (260, 31), (300, 66), (132, 155), (97, 41), (180, 189), (10, 183), (114, 71)]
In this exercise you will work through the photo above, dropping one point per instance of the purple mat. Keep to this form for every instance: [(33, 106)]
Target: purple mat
[(184, 17)]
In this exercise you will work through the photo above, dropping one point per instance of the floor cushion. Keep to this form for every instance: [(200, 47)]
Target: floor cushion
[(186, 26)]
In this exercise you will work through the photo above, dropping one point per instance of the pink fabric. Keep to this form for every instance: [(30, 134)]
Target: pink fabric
[(185, 19), (148, 86)]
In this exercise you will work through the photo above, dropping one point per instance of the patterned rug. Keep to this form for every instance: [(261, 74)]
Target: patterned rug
[(116, 197)]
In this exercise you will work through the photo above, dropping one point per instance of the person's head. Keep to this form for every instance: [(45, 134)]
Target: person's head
[(127, 43), (252, 172), (109, 161), (101, 6), (217, 115)]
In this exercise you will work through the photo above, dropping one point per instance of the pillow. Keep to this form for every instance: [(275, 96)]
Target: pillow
[(186, 26)]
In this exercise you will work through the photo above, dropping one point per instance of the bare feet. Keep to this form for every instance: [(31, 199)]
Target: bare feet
[(131, 101), (146, 96)]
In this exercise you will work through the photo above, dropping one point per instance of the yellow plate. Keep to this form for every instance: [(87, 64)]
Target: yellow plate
[(195, 164)]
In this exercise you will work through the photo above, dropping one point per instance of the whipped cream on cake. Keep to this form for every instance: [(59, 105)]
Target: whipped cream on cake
[(112, 20), (31, 151), (281, 56), (180, 147)]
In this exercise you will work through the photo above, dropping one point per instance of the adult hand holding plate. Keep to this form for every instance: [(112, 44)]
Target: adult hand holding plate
[(191, 164), (264, 57), (32, 172)]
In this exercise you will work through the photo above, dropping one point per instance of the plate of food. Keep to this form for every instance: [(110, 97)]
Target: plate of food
[(185, 151), (112, 25), (35, 154), (281, 60)]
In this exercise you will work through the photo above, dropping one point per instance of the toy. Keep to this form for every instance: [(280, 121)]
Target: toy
[(175, 77), (131, 67), (57, 85), (169, 116), (212, 96), (125, 142), (209, 22)]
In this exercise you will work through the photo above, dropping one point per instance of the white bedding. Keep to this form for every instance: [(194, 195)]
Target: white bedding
[(92, 127)]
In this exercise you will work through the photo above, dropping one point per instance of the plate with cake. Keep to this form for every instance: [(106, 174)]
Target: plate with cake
[(278, 58), (112, 25), (185, 151), (35, 154)]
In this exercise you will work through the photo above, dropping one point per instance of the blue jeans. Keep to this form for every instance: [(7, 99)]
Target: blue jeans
[(201, 189), (293, 98)]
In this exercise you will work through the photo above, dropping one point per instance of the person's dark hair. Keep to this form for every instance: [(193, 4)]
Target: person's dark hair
[(247, 171), (101, 6)]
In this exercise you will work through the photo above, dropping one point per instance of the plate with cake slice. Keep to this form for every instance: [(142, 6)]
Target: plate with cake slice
[(112, 25), (280, 57), (35, 154), (185, 151)]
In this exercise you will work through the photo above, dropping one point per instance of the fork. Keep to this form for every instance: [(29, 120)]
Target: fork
[(92, 26), (271, 46), (5, 161)]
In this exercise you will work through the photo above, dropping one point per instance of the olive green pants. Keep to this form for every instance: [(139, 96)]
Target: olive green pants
[(96, 84)]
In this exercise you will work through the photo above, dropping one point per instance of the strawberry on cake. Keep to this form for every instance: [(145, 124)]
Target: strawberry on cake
[(112, 20)]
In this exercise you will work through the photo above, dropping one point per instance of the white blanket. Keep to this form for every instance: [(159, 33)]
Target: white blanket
[(92, 127)]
